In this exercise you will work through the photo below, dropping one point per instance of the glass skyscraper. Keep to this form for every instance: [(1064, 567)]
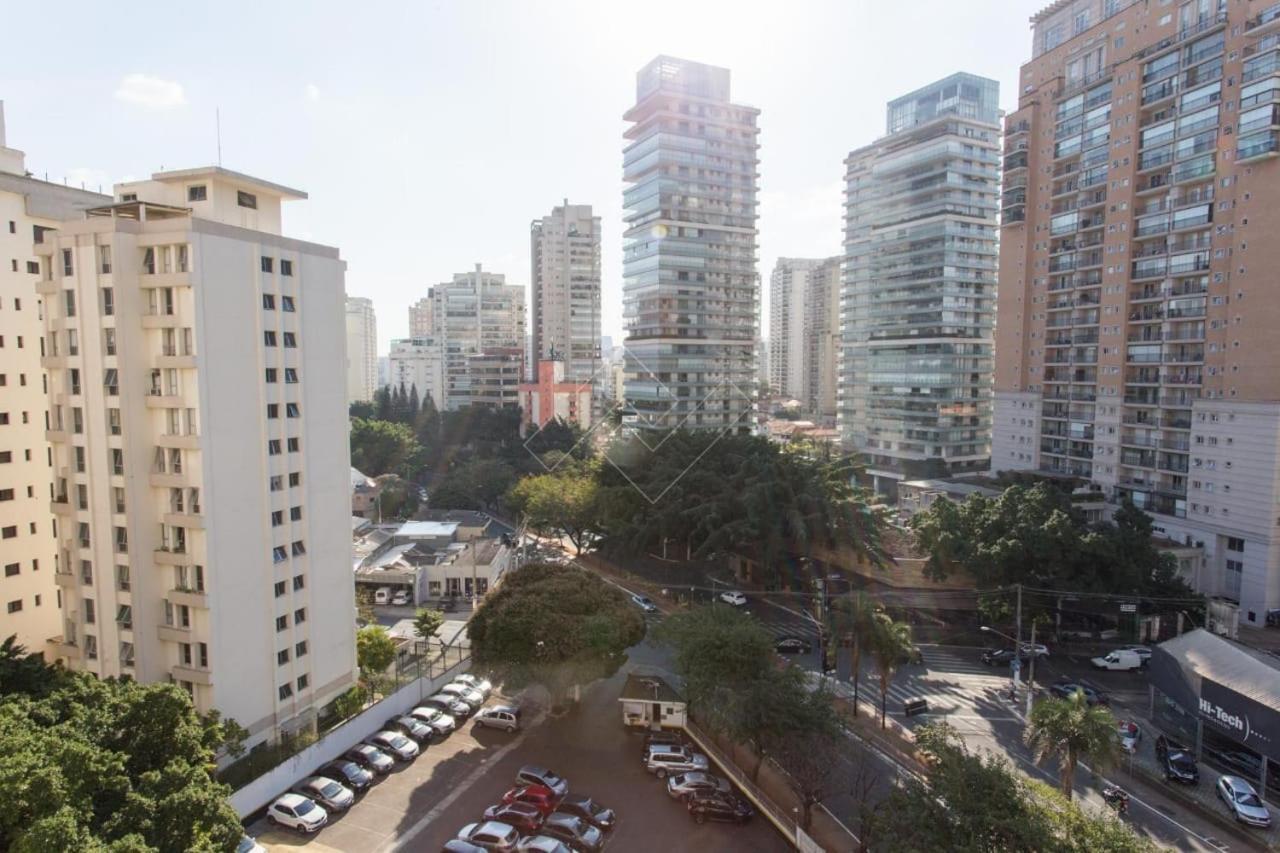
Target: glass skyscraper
[(690, 290), (919, 287)]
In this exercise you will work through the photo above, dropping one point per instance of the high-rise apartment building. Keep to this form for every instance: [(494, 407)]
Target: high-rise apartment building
[(28, 209), (1137, 309), (565, 254), (362, 349), (421, 322), (919, 284), (690, 291), (788, 290), (418, 363), (199, 447), (821, 333), (476, 313)]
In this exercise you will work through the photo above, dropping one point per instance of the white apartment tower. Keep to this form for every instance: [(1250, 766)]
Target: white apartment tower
[(690, 288), (418, 363), (477, 312), (28, 209), (199, 447), (565, 255), (362, 349), (821, 333)]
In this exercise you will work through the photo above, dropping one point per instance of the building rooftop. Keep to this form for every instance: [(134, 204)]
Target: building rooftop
[(358, 479), (229, 176), (951, 487), (1248, 672), (427, 528), (650, 688)]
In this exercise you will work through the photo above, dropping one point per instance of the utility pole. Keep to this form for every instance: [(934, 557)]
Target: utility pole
[(1031, 671), (822, 624), (1017, 634)]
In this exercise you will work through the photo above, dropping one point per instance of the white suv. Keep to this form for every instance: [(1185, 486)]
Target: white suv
[(733, 597), (298, 813), (664, 759)]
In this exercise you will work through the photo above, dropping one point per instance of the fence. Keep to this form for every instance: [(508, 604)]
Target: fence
[(777, 816), (433, 672)]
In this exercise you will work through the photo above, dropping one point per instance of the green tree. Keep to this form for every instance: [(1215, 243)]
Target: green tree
[(350, 703), (24, 672), (473, 485), (1071, 731), (890, 647), (375, 650), (382, 447), (853, 617), (427, 621), (554, 625), (398, 498), (558, 435), (805, 755), (363, 409), (561, 504)]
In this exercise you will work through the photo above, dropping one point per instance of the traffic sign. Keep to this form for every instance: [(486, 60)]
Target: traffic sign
[(1128, 608)]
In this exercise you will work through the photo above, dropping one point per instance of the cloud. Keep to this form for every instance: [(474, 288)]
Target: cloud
[(150, 92), (312, 93)]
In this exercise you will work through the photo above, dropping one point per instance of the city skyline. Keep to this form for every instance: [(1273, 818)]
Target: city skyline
[(318, 117)]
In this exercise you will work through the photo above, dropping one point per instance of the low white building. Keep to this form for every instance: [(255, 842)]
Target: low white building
[(433, 560)]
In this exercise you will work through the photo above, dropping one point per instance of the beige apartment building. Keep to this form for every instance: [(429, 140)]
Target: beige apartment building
[(565, 268), (199, 447), (821, 333), (1136, 340), (421, 320), (362, 349), (789, 286), (28, 209)]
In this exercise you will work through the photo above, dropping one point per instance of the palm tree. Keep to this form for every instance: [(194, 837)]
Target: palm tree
[(1071, 731), (890, 647), (854, 617)]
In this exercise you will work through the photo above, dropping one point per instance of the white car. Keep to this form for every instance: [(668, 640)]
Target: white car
[(1129, 735), (1037, 650), (475, 682), (298, 813), (491, 835), (249, 845), (542, 844), (733, 597), (394, 743), (1143, 652), (438, 720), (401, 598), (504, 717), (1245, 804), (464, 693)]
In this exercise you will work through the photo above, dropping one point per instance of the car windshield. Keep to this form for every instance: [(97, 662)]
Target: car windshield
[(303, 807), (1248, 798), (330, 790), (399, 741), (1181, 758)]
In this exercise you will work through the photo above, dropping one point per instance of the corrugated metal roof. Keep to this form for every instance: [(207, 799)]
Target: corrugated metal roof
[(1244, 670)]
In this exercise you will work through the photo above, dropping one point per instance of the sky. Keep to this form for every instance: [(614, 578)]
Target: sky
[(430, 134)]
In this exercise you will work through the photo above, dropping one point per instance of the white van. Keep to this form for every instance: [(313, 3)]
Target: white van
[(382, 595), (1121, 659)]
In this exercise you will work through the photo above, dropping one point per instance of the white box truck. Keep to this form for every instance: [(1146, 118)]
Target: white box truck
[(1121, 659)]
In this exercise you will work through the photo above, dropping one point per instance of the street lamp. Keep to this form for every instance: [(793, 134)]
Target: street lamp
[(1016, 664)]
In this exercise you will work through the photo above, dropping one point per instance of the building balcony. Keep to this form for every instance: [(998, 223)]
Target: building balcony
[(165, 480), (55, 435), (161, 321), (53, 362), (195, 675), (1268, 21), (186, 442), (175, 361), (189, 597), (165, 401), (60, 507), (173, 633), (169, 557), (66, 580), (185, 519), (60, 648)]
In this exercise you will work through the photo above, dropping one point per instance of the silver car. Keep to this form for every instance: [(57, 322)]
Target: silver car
[(663, 761), (450, 704), (394, 743), (464, 693), (438, 720), (475, 682), (696, 782), (333, 796), (1245, 804)]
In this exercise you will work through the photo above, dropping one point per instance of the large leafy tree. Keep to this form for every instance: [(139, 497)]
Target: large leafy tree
[(382, 447), (554, 625), (561, 503), (890, 646), (806, 750), (111, 765), (977, 803), (375, 650), (477, 484), (1071, 731), (853, 617)]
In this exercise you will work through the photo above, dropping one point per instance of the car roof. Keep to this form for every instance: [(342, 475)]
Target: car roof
[(509, 709), (291, 800), (542, 842), (1238, 784), (496, 827), (536, 770)]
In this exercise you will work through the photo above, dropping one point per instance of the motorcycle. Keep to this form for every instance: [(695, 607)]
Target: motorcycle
[(1116, 799)]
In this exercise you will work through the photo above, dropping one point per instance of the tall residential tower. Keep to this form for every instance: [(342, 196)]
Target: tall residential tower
[(199, 447), (362, 349), (1138, 308), (788, 292), (565, 286), (919, 284), (690, 289)]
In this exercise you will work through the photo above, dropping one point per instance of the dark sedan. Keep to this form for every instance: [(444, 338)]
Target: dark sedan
[(589, 810), (1176, 762), (998, 657), (792, 646), (1067, 689), (348, 773), (523, 816), (726, 808)]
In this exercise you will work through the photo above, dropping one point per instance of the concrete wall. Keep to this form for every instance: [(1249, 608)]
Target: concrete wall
[(261, 791)]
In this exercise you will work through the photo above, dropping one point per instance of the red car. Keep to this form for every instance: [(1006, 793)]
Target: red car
[(525, 817), (539, 796)]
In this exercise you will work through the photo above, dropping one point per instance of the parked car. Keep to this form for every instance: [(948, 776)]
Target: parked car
[(1129, 735), (542, 844), (733, 597), (1035, 650), (401, 598), (457, 845), (394, 744), (685, 785), (451, 705), (334, 796), (382, 595), (1067, 689), (792, 646), (348, 773), (440, 722), (491, 835), (1242, 801), (475, 682), (370, 758), (464, 693), (523, 816), (504, 717), (412, 726), (666, 737), (297, 813), (249, 844), (532, 774), (540, 797), (999, 657), (573, 831), (589, 810), (665, 760), (644, 603), (1176, 762), (718, 806), (1121, 660)]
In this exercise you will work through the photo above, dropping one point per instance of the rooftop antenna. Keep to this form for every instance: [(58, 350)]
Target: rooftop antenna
[(217, 118)]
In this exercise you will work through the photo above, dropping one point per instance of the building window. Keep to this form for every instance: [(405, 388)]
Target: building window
[(295, 513), (291, 410), (10, 532), (111, 381), (286, 268), (15, 606), (303, 681), (286, 303), (68, 268), (269, 338), (12, 569), (104, 260), (1234, 544), (276, 483), (293, 445), (69, 302), (290, 340), (108, 302), (122, 578), (273, 447), (290, 376), (279, 554), (295, 479), (300, 616), (299, 549), (273, 410), (272, 373), (300, 650), (267, 264), (248, 200), (282, 657), (91, 647), (268, 299), (286, 690), (90, 612), (197, 192), (282, 622), (299, 582), (280, 588), (124, 616)]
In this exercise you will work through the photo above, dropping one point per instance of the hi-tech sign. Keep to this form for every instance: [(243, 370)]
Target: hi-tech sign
[(1241, 718)]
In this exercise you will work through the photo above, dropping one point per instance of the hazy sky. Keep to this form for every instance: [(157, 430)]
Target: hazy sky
[(430, 134)]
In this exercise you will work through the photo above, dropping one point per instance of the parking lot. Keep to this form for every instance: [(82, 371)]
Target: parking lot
[(421, 805)]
